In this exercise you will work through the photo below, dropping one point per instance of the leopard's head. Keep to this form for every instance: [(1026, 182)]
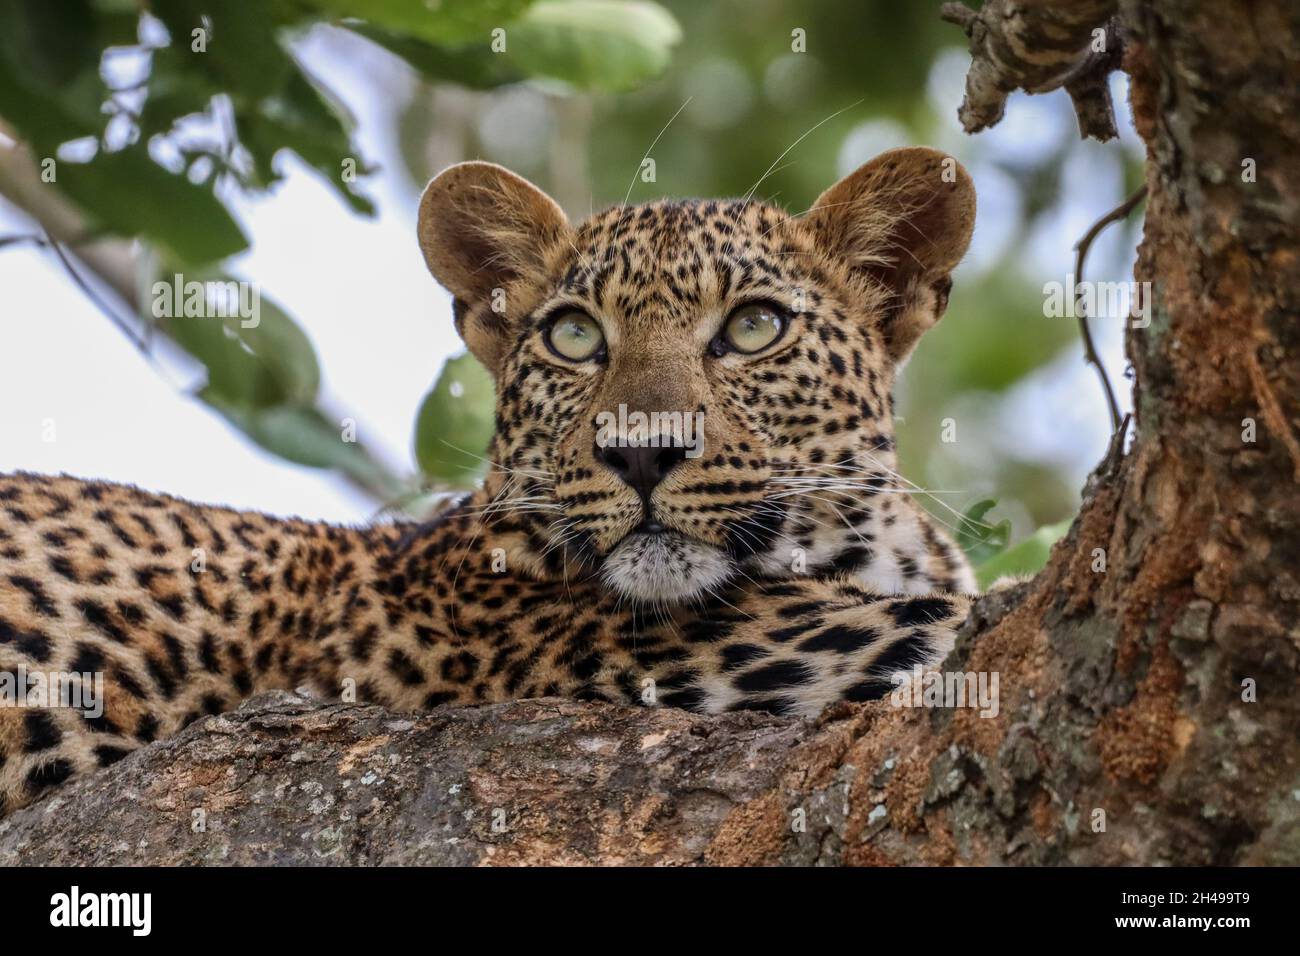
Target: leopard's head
[(689, 391)]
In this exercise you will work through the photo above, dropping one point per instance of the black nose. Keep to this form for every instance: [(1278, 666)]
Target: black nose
[(641, 466)]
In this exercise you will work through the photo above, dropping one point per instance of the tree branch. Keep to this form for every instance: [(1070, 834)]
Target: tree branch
[(105, 271), (1038, 46), (109, 260)]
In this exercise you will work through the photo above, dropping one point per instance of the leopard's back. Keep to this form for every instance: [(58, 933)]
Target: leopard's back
[(128, 615), (145, 611)]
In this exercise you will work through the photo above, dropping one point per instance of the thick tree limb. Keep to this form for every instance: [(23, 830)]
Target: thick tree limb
[(286, 780), (1038, 46)]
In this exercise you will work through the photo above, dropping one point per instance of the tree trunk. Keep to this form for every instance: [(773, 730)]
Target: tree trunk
[(1148, 702), (1157, 698)]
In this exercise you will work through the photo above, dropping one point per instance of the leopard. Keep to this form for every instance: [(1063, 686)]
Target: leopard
[(691, 496)]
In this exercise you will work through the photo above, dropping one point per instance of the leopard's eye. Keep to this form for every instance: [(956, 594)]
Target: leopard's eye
[(752, 328), (575, 336)]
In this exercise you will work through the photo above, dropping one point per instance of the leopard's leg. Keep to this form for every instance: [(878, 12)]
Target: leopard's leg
[(793, 647)]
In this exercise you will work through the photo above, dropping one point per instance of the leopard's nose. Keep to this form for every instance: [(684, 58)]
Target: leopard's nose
[(641, 466)]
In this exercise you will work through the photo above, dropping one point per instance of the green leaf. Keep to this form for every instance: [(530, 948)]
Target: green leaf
[(50, 88), (240, 50), (301, 117), (304, 435), (176, 88), (471, 66), (1027, 557), (127, 193), (277, 105), (38, 114), (443, 22), (594, 44), (455, 423), (252, 363), (979, 539)]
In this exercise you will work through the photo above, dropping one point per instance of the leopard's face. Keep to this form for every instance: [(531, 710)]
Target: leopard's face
[(687, 391), (727, 369)]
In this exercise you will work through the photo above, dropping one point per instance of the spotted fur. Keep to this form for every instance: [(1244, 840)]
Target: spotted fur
[(784, 568)]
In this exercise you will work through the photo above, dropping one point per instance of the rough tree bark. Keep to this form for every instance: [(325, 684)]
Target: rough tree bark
[(1038, 46), (1160, 691), (1122, 690)]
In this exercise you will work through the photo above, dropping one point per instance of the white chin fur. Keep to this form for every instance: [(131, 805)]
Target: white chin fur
[(664, 568)]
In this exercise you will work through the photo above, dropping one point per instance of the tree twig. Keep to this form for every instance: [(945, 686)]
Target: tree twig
[(1080, 256), (110, 262), (19, 239), (97, 300)]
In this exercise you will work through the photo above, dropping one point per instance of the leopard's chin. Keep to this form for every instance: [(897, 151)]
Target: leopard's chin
[(664, 567)]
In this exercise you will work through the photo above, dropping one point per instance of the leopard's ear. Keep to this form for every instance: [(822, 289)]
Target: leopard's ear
[(905, 218), (481, 227)]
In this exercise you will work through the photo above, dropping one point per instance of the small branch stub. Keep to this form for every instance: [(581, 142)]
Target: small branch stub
[(1038, 46)]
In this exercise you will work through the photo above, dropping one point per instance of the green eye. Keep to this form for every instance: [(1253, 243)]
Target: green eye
[(575, 336), (752, 328)]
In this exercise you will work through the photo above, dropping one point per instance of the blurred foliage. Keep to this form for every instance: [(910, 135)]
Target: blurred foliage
[(986, 545), (1025, 557), (594, 44), (770, 95), (455, 422), (114, 94), (272, 363), (977, 538)]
